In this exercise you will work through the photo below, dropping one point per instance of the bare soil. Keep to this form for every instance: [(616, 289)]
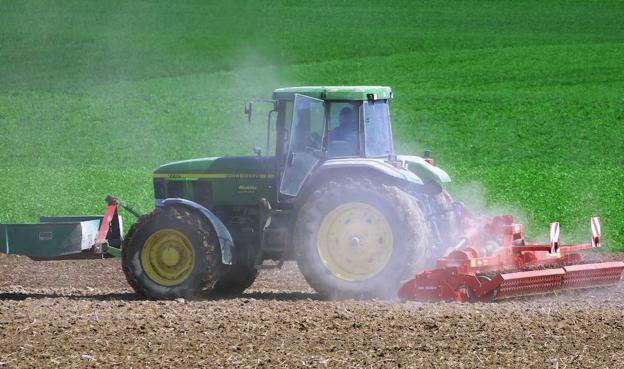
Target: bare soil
[(83, 314)]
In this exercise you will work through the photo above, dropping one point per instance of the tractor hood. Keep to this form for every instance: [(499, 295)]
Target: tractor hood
[(217, 181), (187, 166), (217, 167)]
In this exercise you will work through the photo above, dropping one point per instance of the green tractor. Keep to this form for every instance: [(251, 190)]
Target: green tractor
[(331, 194)]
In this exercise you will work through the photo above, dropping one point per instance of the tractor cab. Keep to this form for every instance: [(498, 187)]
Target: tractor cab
[(328, 123)]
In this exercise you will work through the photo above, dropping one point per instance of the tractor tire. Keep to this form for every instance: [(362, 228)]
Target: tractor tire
[(449, 224), (236, 279), (355, 239), (171, 252)]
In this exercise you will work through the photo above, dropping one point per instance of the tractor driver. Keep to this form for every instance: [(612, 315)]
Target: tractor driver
[(343, 140)]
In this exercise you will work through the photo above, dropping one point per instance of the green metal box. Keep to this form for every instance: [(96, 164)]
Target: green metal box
[(50, 237)]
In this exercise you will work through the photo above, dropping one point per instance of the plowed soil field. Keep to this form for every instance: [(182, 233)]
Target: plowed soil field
[(83, 314)]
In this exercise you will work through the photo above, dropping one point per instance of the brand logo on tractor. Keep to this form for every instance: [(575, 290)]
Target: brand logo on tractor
[(247, 189)]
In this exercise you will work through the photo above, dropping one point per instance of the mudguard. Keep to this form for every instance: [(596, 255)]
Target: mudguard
[(424, 170), (376, 165), (225, 238)]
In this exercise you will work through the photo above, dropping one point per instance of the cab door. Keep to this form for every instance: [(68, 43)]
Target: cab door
[(305, 144)]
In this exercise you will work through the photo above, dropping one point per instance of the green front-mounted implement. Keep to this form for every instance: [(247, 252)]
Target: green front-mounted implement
[(66, 237)]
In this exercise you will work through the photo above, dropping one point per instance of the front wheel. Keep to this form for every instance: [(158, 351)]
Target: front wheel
[(171, 252), (356, 239)]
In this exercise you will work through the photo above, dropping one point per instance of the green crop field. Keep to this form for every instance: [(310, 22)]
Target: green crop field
[(522, 102)]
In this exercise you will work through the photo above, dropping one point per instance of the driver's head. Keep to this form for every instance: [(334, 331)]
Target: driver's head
[(346, 118)]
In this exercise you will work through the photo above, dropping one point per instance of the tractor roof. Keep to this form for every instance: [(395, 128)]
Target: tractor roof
[(335, 92)]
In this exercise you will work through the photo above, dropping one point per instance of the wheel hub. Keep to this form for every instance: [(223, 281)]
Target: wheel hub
[(355, 241), (171, 256), (168, 257)]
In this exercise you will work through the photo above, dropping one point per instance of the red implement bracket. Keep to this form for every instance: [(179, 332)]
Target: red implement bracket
[(111, 223)]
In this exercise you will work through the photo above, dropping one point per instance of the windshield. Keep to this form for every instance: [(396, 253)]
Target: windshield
[(377, 128)]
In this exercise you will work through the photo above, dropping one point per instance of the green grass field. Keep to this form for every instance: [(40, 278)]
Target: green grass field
[(522, 101)]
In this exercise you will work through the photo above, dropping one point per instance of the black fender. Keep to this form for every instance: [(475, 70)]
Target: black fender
[(225, 238)]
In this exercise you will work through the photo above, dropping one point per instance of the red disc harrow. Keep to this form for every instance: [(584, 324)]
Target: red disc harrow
[(472, 271)]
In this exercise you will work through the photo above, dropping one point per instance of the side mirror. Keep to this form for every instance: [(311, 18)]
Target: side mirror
[(258, 150), (248, 110)]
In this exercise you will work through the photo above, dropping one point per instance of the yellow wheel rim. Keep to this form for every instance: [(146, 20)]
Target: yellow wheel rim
[(355, 241), (168, 257)]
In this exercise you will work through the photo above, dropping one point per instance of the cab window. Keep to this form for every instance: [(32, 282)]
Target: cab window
[(343, 139), (377, 137)]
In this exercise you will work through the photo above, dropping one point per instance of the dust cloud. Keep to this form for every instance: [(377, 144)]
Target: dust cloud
[(473, 196)]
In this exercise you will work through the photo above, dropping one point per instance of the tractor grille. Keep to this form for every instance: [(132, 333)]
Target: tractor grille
[(175, 189), (202, 192), (199, 191), (159, 188)]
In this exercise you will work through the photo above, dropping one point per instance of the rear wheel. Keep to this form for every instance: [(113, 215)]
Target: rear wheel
[(356, 239), (449, 225), (171, 252)]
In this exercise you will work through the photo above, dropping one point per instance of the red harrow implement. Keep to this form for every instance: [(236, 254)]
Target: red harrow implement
[(493, 262)]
